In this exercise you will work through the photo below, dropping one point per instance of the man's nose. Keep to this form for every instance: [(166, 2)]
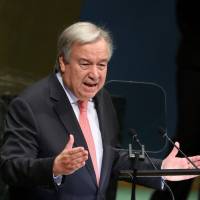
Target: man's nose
[(94, 72)]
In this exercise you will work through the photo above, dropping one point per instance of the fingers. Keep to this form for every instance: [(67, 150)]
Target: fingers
[(195, 160), (170, 160), (73, 160), (71, 164), (175, 150), (179, 178), (177, 144), (75, 155), (70, 159), (70, 142)]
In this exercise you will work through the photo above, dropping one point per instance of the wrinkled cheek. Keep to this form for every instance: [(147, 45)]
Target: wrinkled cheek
[(102, 83)]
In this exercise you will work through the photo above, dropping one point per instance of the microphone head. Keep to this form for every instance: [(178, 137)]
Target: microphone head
[(133, 132), (162, 131)]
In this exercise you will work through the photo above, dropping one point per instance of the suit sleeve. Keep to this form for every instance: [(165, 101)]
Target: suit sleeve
[(19, 161)]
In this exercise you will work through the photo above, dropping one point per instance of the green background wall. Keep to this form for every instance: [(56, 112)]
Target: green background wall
[(28, 33)]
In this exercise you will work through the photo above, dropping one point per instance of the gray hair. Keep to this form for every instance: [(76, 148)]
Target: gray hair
[(81, 32)]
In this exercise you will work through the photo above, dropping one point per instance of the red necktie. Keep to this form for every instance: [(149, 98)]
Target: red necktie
[(85, 126)]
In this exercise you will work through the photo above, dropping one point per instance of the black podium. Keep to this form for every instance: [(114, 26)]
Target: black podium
[(141, 107), (128, 174)]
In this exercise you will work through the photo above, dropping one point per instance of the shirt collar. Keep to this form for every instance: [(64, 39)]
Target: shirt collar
[(72, 98)]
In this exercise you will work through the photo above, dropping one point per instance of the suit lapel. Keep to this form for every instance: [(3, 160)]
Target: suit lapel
[(65, 112), (100, 107)]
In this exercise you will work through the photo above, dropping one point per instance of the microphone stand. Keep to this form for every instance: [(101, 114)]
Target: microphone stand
[(164, 133), (126, 174), (155, 168), (135, 155)]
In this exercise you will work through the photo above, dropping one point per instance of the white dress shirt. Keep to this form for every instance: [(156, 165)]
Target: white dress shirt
[(93, 121)]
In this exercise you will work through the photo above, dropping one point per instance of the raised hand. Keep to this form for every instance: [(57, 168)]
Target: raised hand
[(173, 162), (70, 159)]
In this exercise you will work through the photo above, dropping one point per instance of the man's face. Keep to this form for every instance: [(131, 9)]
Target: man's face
[(85, 71)]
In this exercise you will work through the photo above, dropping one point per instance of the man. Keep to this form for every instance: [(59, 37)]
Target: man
[(51, 149)]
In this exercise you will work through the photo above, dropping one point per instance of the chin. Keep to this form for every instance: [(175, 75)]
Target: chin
[(89, 96)]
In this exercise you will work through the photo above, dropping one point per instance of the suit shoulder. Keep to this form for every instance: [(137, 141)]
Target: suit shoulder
[(103, 93), (36, 91)]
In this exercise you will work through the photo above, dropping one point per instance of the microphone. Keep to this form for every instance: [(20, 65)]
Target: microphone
[(150, 160), (136, 153), (163, 132)]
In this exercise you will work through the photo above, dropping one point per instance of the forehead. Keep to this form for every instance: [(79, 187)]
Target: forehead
[(98, 48)]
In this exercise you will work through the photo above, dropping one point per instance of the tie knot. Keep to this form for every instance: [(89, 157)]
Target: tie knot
[(82, 106)]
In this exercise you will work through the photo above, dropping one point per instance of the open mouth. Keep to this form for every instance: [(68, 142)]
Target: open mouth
[(90, 84)]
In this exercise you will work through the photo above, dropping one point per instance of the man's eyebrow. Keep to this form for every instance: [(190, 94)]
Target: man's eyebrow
[(104, 60), (87, 60), (84, 59)]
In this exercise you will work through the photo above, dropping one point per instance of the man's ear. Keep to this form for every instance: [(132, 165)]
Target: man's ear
[(62, 63)]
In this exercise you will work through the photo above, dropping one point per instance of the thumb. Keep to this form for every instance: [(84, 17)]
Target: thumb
[(70, 143), (174, 151)]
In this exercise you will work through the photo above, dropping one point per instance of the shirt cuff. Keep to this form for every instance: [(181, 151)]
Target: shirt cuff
[(58, 179)]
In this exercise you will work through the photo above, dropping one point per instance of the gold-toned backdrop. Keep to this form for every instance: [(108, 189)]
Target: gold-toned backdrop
[(28, 36)]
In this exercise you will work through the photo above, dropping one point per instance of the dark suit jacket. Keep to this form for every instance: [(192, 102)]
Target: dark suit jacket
[(37, 129)]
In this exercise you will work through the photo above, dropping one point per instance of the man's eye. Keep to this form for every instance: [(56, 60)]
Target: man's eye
[(84, 65), (102, 66)]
